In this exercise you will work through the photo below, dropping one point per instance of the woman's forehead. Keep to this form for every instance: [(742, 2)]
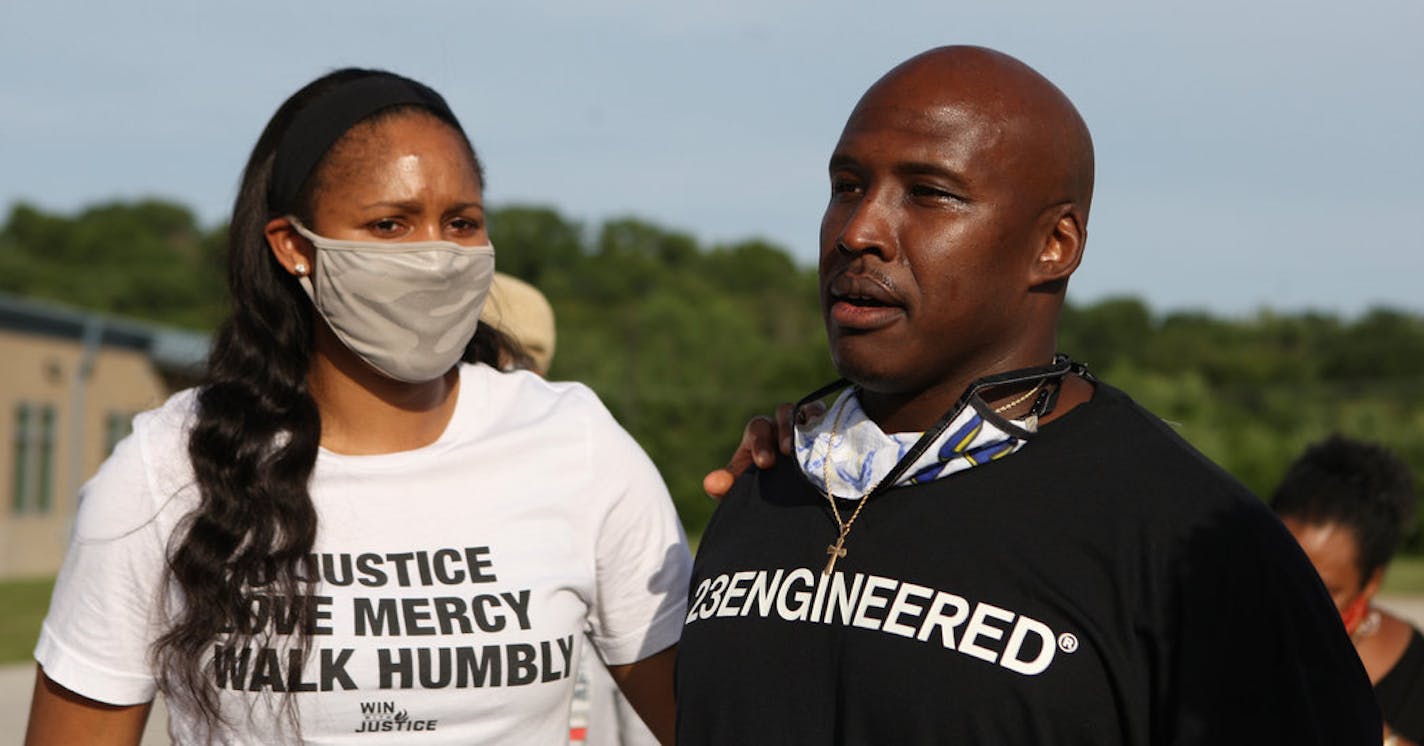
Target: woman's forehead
[(398, 158)]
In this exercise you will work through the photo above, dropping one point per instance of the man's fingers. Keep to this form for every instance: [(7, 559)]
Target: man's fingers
[(784, 428), (761, 439), (758, 442), (755, 448), (718, 483)]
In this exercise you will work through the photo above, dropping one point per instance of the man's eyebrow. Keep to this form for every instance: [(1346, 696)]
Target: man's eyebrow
[(955, 178), (913, 168), (928, 168)]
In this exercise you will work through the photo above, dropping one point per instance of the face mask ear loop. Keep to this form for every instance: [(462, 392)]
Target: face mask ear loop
[(302, 230), (306, 283), (305, 279)]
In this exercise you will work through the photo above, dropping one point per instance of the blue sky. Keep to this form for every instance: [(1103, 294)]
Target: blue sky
[(1250, 154)]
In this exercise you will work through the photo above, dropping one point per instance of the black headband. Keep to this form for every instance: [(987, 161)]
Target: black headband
[(322, 122)]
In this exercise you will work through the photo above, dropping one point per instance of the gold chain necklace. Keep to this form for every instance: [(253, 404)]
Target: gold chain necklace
[(1002, 408), (838, 550)]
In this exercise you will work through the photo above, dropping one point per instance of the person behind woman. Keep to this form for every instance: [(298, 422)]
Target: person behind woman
[(343, 530), (1349, 503)]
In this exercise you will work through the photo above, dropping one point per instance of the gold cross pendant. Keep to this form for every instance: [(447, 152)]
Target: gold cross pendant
[(836, 550)]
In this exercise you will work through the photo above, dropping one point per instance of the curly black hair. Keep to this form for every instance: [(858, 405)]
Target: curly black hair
[(1354, 483)]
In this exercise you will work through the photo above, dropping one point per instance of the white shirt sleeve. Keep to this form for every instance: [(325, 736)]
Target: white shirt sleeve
[(103, 615), (642, 560)]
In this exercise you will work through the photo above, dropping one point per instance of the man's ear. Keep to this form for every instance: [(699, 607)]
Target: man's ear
[(1062, 247), (291, 250)]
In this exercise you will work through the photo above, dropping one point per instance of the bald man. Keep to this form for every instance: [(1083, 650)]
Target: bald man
[(1015, 553)]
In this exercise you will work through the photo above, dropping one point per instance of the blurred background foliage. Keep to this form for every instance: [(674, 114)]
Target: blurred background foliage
[(685, 341)]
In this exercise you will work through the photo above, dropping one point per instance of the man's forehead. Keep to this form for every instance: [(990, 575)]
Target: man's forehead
[(945, 126), (943, 117)]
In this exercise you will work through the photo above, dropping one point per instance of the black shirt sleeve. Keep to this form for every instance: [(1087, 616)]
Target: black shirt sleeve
[(1260, 654)]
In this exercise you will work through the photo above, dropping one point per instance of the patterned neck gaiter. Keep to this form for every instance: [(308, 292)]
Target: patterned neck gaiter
[(862, 455)]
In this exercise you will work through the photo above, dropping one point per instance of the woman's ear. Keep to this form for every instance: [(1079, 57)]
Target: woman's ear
[(1372, 584), (1062, 247), (292, 251)]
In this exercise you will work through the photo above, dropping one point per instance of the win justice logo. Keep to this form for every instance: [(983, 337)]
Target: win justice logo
[(383, 717)]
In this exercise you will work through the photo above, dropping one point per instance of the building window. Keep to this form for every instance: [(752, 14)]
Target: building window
[(22, 457), (117, 426), (34, 458), (44, 497)]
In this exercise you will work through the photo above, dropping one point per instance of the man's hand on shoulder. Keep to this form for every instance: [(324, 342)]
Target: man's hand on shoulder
[(761, 440)]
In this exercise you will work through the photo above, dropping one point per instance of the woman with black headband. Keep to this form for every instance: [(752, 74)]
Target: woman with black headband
[(345, 531)]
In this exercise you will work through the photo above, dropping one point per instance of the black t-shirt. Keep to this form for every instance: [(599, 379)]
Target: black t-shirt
[(1105, 585), (1401, 691)]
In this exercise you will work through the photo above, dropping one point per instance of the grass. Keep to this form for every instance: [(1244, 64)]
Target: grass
[(22, 608)]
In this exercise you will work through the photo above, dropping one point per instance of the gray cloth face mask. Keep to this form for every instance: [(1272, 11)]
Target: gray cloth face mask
[(407, 309)]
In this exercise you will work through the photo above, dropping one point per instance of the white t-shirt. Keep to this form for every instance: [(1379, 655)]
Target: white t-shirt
[(457, 579)]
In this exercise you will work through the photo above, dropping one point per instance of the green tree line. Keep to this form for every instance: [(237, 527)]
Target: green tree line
[(685, 341)]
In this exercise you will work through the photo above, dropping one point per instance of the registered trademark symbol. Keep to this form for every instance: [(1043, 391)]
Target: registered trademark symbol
[(1067, 642)]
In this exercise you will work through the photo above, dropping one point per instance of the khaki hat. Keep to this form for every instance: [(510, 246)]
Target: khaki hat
[(518, 309)]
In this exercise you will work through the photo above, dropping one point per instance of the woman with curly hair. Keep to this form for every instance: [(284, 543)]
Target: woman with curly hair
[(1350, 503)]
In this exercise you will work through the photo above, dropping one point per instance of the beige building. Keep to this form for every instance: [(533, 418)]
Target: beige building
[(70, 382)]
